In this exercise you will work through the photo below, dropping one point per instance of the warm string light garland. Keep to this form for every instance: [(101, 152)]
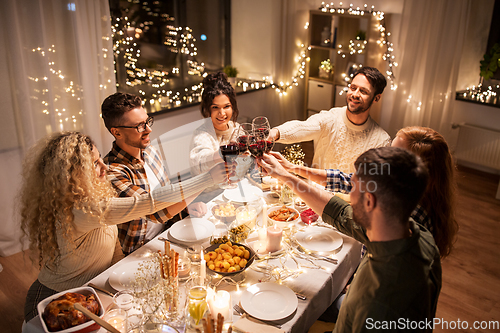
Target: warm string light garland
[(356, 46), (479, 94), (66, 119), (179, 40)]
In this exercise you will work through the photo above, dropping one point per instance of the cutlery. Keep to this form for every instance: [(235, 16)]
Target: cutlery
[(318, 256), (184, 246), (101, 289), (96, 318), (241, 312), (300, 296)]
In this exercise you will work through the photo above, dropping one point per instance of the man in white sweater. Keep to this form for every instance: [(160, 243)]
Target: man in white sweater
[(342, 134)]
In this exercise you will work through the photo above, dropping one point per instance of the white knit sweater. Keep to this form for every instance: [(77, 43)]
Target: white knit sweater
[(206, 141), (337, 141), (95, 240)]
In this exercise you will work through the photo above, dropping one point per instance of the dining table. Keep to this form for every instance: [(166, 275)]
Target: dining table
[(316, 280)]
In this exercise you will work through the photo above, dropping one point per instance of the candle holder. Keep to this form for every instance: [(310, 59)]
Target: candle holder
[(117, 318)]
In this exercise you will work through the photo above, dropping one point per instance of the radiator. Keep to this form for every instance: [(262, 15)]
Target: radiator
[(480, 146)]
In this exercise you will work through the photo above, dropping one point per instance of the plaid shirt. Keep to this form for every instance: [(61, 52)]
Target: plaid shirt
[(128, 176), (338, 181)]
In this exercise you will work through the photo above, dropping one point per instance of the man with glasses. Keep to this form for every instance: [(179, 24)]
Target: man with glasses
[(135, 168)]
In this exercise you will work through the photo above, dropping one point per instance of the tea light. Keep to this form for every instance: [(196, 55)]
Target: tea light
[(124, 299), (117, 318), (274, 235), (184, 268), (221, 303)]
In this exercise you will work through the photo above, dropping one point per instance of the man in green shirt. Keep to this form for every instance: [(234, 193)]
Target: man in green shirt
[(397, 283)]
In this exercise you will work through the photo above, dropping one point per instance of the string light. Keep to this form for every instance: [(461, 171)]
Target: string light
[(358, 47), (59, 84), (153, 83), (480, 94)]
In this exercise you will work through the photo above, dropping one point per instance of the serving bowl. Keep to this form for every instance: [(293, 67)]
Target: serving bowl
[(250, 259), (225, 212), (88, 326), (283, 216)]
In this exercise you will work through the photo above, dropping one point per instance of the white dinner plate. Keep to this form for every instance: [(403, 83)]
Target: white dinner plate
[(124, 275), (245, 192), (191, 230), (319, 239), (268, 301)]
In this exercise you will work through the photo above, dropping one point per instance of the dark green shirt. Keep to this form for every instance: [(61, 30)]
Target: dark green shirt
[(397, 283)]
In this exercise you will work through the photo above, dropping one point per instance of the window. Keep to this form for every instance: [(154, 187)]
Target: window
[(162, 48)]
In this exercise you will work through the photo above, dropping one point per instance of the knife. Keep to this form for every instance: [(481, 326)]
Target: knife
[(101, 289)]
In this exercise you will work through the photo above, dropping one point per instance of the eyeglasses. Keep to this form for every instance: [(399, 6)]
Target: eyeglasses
[(142, 126)]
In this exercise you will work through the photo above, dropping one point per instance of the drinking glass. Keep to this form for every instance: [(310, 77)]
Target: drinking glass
[(263, 144), (229, 152), (260, 125), (244, 136)]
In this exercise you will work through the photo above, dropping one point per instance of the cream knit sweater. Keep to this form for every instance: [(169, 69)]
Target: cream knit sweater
[(337, 141), (206, 141), (95, 239)]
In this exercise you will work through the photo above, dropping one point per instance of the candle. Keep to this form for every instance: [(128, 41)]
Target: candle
[(274, 235), (262, 234), (184, 268), (264, 216), (117, 319), (203, 269), (221, 303)]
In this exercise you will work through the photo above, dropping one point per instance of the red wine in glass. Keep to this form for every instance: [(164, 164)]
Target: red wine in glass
[(244, 141), (260, 147), (231, 149)]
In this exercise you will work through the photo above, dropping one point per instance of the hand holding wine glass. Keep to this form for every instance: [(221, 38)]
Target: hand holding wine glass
[(229, 152)]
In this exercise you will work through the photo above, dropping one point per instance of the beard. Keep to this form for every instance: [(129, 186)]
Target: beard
[(139, 143), (359, 214), (360, 109)]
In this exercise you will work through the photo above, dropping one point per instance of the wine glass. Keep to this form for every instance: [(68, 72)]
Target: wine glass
[(229, 152), (263, 144), (244, 136), (260, 125)]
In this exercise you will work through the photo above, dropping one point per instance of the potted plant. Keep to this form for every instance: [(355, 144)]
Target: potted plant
[(231, 73), (490, 63)]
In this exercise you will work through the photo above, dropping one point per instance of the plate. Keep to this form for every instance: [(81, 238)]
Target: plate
[(192, 230), (124, 275), (269, 301), (245, 192), (320, 240)]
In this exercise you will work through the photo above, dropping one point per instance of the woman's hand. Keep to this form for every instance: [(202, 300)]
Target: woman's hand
[(283, 161), (272, 166), (197, 209)]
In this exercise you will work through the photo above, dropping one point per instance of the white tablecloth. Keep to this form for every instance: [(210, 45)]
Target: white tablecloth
[(320, 286)]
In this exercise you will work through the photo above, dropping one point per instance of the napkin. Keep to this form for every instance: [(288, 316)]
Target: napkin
[(251, 325)]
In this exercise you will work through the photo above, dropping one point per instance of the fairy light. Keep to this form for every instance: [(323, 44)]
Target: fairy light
[(127, 35), (356, 47), (481, 94)]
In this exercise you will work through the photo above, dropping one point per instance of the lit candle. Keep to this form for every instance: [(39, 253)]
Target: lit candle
[(203, 269), (221, 303), (264, 216), (274, 235), (117, 318), (184, 267)]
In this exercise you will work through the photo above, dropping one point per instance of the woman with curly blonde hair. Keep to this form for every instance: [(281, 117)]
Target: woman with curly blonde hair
[(69, 212)]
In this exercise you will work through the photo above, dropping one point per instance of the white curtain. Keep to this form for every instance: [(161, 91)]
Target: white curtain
[(430, 46), (57, 68)]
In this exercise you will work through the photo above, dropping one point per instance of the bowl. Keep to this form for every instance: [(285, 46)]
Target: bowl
[(309, 216), (88, 326), (225, 212), (280, 215), (249, 260)]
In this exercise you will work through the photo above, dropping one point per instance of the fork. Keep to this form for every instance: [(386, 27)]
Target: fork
[(241, 312)]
